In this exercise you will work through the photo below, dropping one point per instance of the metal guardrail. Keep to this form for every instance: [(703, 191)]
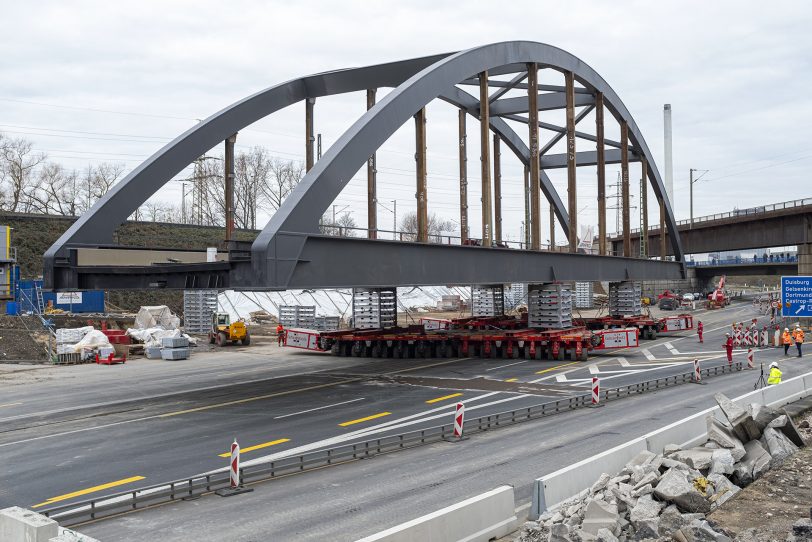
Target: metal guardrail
[(191, 488), (740, 261)]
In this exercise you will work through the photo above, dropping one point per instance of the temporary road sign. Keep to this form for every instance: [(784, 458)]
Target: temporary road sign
[(796, 296), (596, 390)]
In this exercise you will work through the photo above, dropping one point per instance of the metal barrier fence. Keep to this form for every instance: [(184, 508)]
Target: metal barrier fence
[(191, 488)]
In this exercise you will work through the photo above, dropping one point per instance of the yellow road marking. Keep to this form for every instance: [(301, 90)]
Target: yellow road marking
[(257, 398), (443, 398), (511, 380), (10, 404), (556, 367), (89, 490), (359, 420), (257, 447)]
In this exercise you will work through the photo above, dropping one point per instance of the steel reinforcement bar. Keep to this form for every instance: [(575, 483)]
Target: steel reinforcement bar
[(191, 488)]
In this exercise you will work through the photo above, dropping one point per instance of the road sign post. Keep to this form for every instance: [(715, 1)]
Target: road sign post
[(459, 420), (796, 296), (697, 376), (596, 391), (750, 358)]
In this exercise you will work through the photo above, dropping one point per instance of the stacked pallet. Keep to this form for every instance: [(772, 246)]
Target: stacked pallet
[(487, 300), (66, 338), (374, 308), (549, 306), (583, 295), (625, 299), (327, 323), (298, 316), (198, 306)]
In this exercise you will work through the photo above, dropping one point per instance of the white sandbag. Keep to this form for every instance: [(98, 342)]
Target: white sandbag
[(92, 340)]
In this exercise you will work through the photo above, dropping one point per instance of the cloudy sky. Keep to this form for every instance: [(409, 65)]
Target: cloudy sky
[(92, 81)]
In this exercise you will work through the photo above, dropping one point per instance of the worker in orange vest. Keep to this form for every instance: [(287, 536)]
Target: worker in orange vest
[(280, 334), (699, 329), (798, 335), (786, 340)]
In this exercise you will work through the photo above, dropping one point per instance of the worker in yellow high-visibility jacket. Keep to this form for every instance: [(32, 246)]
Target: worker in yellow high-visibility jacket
[(775, 375)]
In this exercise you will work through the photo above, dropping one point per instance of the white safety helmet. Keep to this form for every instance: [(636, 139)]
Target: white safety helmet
[(786, 329), (773, 364)]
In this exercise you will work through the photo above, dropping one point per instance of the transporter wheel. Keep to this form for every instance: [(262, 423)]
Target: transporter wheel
[(449, 350), (494, 351), (539, 352), (376, 350), (357, 350), (335, 350), (561, 353), (652, 334), (515, 353), (584, 355)]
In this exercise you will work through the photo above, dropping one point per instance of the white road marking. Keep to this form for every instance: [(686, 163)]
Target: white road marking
[(649, 355), (671, 348), (318, 408), (508, 365)]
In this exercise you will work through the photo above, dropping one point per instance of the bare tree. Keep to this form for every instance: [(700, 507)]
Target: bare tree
[(343, 226), (284, 176), (436, 226), (17, 164), (98, 180)]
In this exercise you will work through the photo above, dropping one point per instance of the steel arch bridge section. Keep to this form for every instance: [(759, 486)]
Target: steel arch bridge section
[(290, 253)]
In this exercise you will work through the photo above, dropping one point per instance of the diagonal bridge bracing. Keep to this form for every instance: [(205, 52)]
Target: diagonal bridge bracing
[(290, 252)]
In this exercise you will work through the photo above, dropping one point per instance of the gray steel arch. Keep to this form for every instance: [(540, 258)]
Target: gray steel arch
[(417, 82)]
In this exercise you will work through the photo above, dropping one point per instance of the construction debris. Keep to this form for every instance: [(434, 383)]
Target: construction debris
[(667, 496)]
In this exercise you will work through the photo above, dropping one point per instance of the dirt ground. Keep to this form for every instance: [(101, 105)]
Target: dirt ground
[(22, 339), (766, 509)]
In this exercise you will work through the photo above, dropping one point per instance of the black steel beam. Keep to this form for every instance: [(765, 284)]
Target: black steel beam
[(583, 158), (546, 102)]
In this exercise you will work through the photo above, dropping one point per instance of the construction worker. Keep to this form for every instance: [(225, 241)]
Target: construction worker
[(775, 375), (728, 344), (786, 340), (699, 329), (798, 335), (280, 334)]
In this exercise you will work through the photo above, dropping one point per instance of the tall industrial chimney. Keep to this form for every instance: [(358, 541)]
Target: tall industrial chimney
[(669, 164)]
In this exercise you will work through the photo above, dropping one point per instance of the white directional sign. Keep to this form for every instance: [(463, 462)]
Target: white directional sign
[(796, 296)]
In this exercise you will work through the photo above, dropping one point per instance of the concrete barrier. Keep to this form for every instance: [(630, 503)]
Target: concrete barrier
[(481, 518), (552, 489), (564, 483), (21, 525)]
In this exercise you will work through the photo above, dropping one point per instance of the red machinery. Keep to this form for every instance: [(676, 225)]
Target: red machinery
[(719, 297)]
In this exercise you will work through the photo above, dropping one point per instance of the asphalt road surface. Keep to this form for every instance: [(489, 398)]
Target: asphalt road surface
[(71, 433)]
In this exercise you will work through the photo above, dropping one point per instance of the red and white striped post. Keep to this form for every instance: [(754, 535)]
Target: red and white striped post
[(596, 391), (459, 419), (750, 364), (697, 372), (235, 465)]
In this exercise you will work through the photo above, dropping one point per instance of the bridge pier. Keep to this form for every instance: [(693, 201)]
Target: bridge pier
[(805, 259)]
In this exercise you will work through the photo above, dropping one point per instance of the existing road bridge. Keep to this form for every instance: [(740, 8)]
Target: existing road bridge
[(290, 252), (778, 225)]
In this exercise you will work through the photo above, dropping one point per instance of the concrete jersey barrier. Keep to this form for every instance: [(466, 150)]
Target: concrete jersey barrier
[(554, 488), (481, 518)]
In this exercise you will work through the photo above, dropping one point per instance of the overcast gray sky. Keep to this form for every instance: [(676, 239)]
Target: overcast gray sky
[(92, 81)]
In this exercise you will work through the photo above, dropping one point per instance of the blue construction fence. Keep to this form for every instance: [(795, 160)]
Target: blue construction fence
[(25, 299)]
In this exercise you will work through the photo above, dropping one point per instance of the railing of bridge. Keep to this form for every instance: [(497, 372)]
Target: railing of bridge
[(739, 261), (736, 213)]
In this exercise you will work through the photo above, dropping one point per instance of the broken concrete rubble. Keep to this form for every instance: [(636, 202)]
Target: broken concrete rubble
[(666, 496), (785, 424)]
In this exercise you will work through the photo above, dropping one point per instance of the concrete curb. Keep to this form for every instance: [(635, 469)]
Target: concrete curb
[(482, 518), (554, 488)]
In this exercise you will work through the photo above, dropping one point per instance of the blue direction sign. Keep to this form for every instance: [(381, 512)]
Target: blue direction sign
[(796, 296)]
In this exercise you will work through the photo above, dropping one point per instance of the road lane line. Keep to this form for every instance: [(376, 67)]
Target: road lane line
[(366, 419), (257, 447), (556, 367), (649, 355), (511, 380), (671, 348), (9, 404), (257, 398), (443, 398), (508, 365), (318, 408), (89, 490)]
